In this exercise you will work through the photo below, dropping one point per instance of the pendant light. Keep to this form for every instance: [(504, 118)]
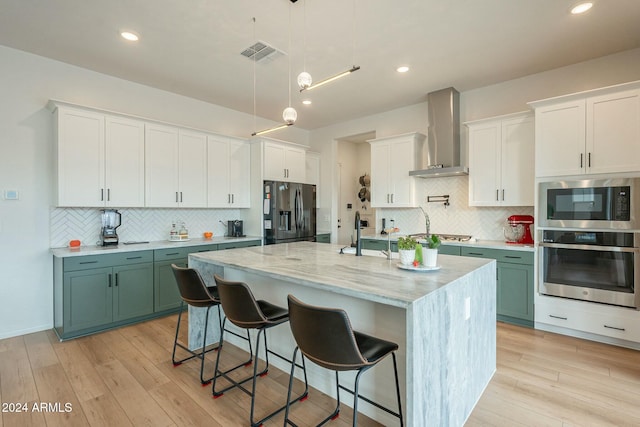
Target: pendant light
[(307, 84), (304, 78)]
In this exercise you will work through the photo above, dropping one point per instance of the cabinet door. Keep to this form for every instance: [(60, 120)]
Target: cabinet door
[(87, 299), (124, 162), (273, 162), (192, 169), (294, 163), (613, 133), (161, 166), (560, 139), (166, 293), (80, 158), (218, 172), (239, 161), (401, 161), (380, 177), (133, 291), (517, 154), (515, 291), (484, 164)]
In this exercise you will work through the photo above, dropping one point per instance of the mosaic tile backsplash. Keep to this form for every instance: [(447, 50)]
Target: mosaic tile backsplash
[(137, 224), (483, 223)]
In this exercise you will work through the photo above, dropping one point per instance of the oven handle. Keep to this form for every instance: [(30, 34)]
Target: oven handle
[(589, 247)]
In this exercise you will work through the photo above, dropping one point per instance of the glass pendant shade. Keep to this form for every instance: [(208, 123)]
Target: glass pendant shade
[(304, 80), (290, 115)]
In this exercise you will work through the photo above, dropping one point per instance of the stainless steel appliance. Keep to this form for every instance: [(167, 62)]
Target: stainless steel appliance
[(597, 266), (235, 228), (111, 220), (605, 204), (289, 212)]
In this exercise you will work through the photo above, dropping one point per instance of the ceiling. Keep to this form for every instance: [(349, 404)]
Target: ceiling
[(192, 47)]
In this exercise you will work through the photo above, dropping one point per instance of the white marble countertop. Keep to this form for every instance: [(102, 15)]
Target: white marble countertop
[(321, 266), (490, 244), (160, 244)]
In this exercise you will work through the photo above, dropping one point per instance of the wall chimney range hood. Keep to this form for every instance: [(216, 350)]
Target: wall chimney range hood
[(443, 141)]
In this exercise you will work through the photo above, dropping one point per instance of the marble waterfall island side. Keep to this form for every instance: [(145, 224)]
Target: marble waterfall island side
[(444, 321)]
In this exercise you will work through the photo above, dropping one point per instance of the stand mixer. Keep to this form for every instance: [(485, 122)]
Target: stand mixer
[(518, 229)]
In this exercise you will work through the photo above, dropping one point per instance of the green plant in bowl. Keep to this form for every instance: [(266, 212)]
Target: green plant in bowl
[(407, 243), (433, 242)]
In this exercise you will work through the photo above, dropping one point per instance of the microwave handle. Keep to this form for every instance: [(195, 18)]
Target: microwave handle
[(589, 247)]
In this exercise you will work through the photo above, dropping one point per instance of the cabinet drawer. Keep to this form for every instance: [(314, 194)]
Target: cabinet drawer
[(610, 325), (480, 252), (234, 245), (170, 253), (449, 250), (99, 261), (203, 248), (516, 257)]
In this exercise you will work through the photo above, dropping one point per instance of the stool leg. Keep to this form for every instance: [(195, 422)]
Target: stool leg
[(204, 346), (175, 341), (395, 371), (355, 398)]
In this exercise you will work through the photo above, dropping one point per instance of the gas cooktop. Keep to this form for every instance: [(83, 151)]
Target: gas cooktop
[(445, 237)]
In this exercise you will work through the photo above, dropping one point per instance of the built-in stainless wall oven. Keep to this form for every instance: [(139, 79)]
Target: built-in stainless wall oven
[(589, 234), (596, 266)]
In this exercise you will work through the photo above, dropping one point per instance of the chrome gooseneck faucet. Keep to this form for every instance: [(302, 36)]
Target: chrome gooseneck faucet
[(358, 240), (427, 222)]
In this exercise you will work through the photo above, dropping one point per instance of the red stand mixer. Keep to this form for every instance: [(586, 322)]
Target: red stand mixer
[(518, 229)]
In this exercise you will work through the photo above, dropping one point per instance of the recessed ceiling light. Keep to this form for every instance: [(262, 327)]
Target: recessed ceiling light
[(307, 102), (581, 8), (402, 69), (129, 35)]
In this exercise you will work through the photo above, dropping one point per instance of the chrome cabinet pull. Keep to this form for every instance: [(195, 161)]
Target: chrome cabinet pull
[(102, 194), (497, 190), (233, 198), (580, 160), (614, 327), (589, 160), (503, 194), (108, 194), (181, 197), (558, 317), (176, 197)]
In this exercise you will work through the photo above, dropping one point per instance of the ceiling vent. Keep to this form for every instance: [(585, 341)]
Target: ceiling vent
[(261, 51)]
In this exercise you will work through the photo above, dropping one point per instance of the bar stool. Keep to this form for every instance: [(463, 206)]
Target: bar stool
[(324, 336), (242, 309), (196, 293)]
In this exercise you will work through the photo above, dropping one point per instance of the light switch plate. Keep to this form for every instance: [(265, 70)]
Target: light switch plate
[(11, 195)]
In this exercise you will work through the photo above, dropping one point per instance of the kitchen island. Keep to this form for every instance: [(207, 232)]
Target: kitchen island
[(443, 321)]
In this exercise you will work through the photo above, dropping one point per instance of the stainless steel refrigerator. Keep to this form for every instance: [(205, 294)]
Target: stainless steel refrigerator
[(289, 211)]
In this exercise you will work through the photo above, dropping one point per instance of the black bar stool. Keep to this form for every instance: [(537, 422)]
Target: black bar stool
[(242, 309), (196, 293), (324, 336)]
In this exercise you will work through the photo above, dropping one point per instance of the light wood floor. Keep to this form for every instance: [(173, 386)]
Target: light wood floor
[(125, 377)]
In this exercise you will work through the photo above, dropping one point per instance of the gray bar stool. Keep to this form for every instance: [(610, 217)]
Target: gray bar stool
[(242, 309), (324, 336), (196, 293)]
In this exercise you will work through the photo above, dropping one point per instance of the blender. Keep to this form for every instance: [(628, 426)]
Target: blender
[(111, 219)]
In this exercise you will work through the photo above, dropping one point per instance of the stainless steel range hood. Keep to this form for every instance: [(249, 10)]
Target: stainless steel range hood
[(443, 142)]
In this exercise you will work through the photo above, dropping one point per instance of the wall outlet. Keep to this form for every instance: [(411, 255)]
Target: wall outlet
[(467, 308)]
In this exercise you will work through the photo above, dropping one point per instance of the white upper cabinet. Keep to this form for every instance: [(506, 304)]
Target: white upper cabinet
[(229, 172), (501, 152), (391, 160), (99, 159), (175, 167), (283, 162), (589, 133)]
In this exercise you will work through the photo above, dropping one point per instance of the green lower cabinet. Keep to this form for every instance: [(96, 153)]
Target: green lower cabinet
[(515, 293), (323, 238), (378, 245), (88, 299), (133, 291), (166, 293), (514, 283)]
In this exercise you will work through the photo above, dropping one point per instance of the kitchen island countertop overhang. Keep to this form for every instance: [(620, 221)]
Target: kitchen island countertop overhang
[(444, 321)]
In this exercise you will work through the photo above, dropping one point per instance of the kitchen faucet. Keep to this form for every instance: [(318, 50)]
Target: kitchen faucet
[(427, 221), (358, 240)]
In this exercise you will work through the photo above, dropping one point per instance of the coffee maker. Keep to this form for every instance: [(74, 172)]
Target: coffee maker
[(111, 220), (520, 229), (235, 228)]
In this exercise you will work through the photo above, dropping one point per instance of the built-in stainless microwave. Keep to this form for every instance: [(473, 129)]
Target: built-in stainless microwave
[(609, 204)]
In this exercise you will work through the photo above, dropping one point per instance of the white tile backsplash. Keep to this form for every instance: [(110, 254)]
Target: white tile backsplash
[(458, 218), (137, 223)]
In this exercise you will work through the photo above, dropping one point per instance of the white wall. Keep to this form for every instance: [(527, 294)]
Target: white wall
[(507, 97), (26, 164)]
